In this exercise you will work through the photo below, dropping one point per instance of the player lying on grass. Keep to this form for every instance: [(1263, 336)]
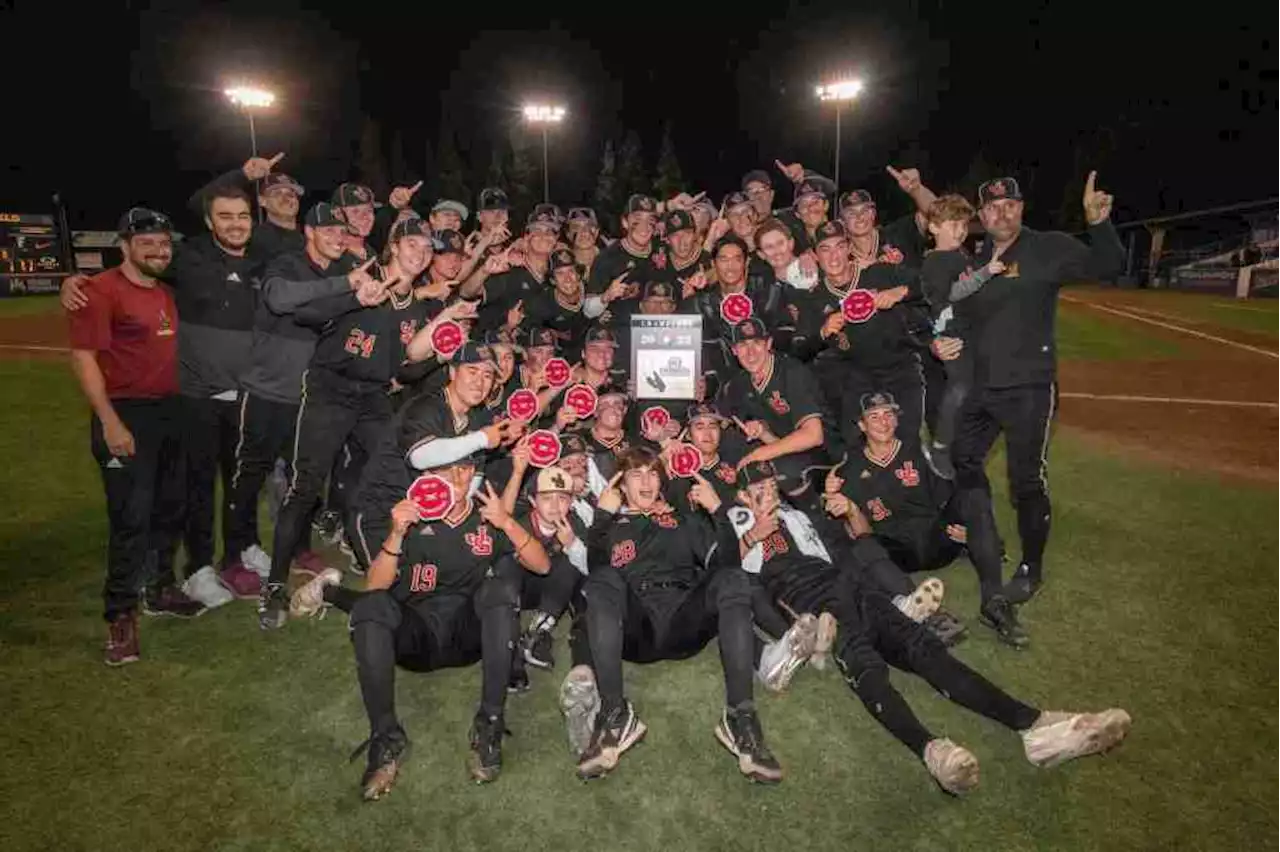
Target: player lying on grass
[(799, 568), (658, 591), (440, 595)]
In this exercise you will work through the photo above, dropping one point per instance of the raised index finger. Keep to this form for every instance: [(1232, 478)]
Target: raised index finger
[(1088, 183), (417, 186), (894, 173), (277, 158)]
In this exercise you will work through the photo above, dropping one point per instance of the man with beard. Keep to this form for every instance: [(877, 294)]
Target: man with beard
[(560, 307), (799, 568), (124, 354), (1015, 389), (634, 257), (344, 391)]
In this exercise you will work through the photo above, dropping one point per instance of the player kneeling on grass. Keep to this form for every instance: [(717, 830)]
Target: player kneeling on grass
[(441, 595), (658, 591), (795, 566)]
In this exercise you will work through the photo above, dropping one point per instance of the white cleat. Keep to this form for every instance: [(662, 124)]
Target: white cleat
[(1058, 737), (256, 560), (827, 629), (580, 703), (923, 602), (309, 599), (953, 766), (204, 586), (779, 661)]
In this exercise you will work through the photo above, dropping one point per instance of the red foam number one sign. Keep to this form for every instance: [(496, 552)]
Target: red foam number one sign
[(654, 418), (447, 338), (686, 461), (582, 399), (522, 405), (544, 448), (858, 306), (557, 372), (433, 495), (735, 308)]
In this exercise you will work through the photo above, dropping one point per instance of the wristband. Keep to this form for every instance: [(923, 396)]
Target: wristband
[(394, 553)]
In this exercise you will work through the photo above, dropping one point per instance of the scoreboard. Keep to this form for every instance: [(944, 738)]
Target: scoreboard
[(30, 245)]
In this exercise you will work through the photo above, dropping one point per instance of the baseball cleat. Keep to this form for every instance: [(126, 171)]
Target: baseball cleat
[(779, 661), (1024, 584), (273, 606), (309, 600), (1058, 737), (485, 759), (953, 766), (122, 640), (1000, 616), (739, 731), (614, 733), (923, 602), (170, 601), (579, 702), (827, 629), (387, 752), (946, 627)]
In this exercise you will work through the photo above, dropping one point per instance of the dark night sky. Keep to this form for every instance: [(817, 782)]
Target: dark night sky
[(1176, 112)]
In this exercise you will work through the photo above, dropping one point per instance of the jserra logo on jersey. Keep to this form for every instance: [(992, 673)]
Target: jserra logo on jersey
[(778, 404), (407, 329), (623, 553), (908, 475), (480, 542), (667, 521)]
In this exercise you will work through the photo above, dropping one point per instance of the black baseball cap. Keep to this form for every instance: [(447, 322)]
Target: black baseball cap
[(410, 226), (582, 214), (539, 337), (639, 203), (999, 189), (600, 334), (548, 207), (752, 328), (493, 198), (323, 215), (855, 197), (832, 229), (756, 176), (869, 402), (563, 258), (280, 180), (734, 200), (498, 337), (814, 184), (613, 390), (351, 195), (572, 444), (544, 219), (730, 240), (448, 242), (702, 409), (659, 290), (473, 353), (140, 220), (677, 220), (756, 472)]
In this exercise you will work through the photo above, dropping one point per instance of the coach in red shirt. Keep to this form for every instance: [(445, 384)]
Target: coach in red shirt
[(124, 351)]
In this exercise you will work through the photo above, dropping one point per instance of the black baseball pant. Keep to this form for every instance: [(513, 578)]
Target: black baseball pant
[(442, 631), (334, 410), (265, 433), (643, 622), (144, 500), (210, 433), (1024, 414)]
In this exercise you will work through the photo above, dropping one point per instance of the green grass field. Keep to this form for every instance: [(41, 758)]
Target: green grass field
[(1161, 599)]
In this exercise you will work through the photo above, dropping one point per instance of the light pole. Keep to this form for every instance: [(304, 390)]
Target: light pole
[(543, 116), (840, 91), (249, 98)]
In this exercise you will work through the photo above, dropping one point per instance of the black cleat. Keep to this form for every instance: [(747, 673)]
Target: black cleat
[(518, 681), (328, 525), (739, 731), (485, 761), (273, 606), (614, 733), (1024, 583), (537, 645), (387, 753), (172, 602), (949, 629), (1000, 616)]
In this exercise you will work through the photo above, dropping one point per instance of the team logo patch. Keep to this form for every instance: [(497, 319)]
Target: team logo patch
[(686, 461), (433, 495), (544, 448), (447, 338), (557, 372), (407, 329), (623, 553), (735, 308), (667, 520), (858, 306), (480, 542), (582, 399), (778, 404), (522, 405), (877, 509), (659, 260), (908, 475), (891, 254)]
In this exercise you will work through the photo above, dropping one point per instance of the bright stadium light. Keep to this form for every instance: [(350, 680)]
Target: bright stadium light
[(841, 92), (543, 116), (250, 97)]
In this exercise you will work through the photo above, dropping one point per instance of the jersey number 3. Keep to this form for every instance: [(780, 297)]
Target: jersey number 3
[(423, 579), (359, 343)]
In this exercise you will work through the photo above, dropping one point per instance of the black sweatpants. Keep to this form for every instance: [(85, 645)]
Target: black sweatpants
[(144, 500), (333, 411), (442, 631), (646, 623), (210, 433), (952, 392), (906, 383), (264, 433), (552, 592), (1024, 414)]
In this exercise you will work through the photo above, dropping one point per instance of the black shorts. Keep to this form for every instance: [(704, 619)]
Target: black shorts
[(439, 632)]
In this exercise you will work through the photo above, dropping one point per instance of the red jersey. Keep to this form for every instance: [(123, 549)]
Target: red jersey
[(134, 331)]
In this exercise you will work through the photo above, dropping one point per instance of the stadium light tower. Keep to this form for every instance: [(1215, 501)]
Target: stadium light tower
[(250, 98), (543, 116), (840, 91)]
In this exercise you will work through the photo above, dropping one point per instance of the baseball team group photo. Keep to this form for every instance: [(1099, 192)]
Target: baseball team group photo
[(745, 457)]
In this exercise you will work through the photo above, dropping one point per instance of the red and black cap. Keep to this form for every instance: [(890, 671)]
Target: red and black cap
[(411, 226), (280, 180), (563, 258), (641, 204), (869, 402), (572, 444), (730, 240), (323, 215), (473, 353), (539, 337), (757, 472), (447, 241), (659, 290), (703, 409), (584, 215), (677, 220), (351, 195), (814, 184), (998, 190), (600, 334), (752, 328), (493, 198), (856, 198), (498, 337), (735, 200), (543, 220), (140, 220), (756, 176), (832, 229)]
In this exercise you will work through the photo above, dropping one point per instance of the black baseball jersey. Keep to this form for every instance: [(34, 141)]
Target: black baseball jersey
[(448, 558), (787, 398), (800, 579), (879, 340), (605, 453), (721, 472), (667, 268), (550, 541), (360, 343), (903, 237), (501, 292), (674, 547), (800, 319), (901, 497), (612, 262), (545, 309)]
